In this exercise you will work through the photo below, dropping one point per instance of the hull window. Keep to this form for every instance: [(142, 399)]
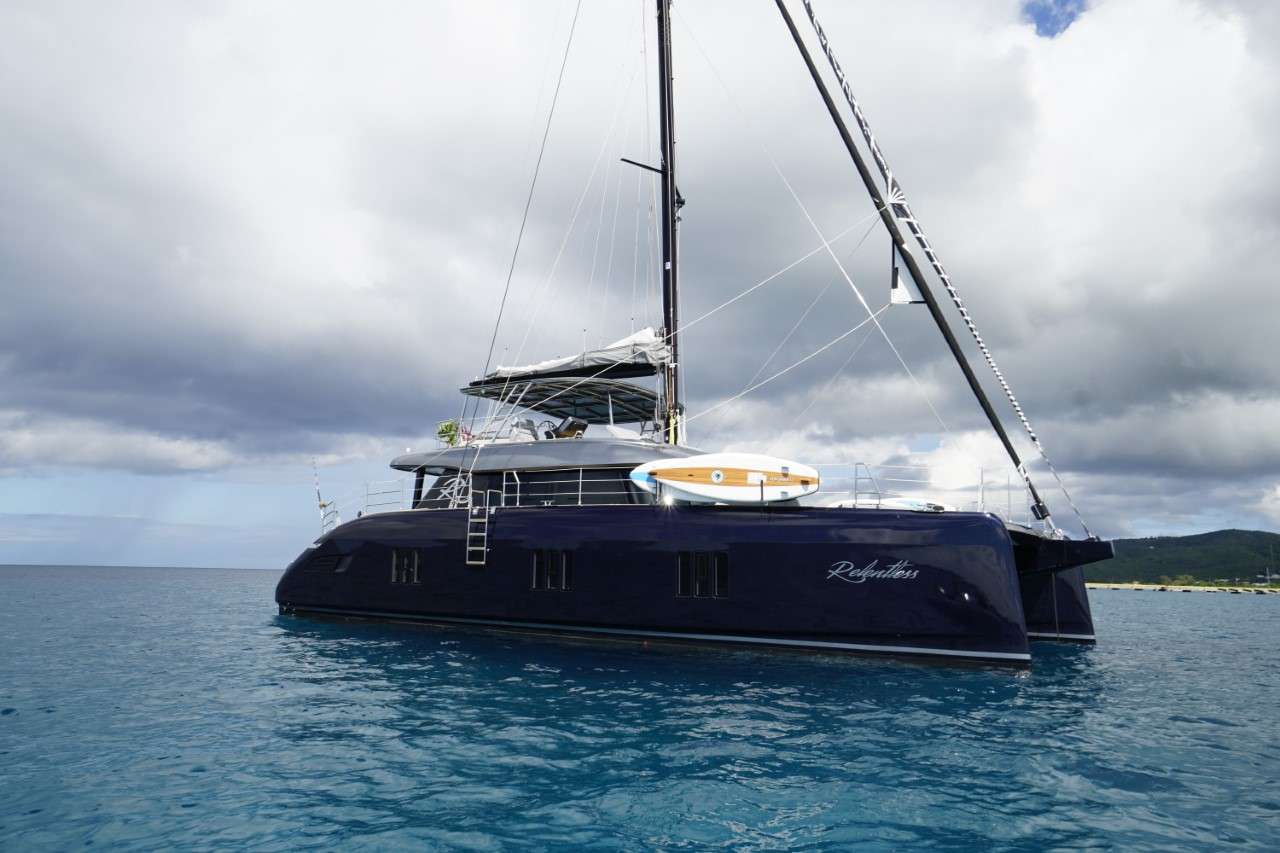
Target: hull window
[(404, 566), (330, 563), (552, 569), (539, 570), (702, 574)]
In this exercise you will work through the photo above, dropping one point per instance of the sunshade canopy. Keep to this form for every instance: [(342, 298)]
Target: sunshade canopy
[(592, 400)]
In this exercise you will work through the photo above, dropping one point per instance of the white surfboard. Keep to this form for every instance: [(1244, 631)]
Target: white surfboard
[(731, 478)]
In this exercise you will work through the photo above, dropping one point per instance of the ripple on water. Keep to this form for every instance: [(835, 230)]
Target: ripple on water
[(159, 709)]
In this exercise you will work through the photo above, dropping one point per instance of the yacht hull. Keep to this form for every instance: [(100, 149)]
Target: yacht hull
[(836, 580), (1056, 605)]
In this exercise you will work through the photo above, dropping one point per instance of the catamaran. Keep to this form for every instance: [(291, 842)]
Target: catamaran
[(576, 506)]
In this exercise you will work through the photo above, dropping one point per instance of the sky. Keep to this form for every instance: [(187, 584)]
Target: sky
[(237, 237)]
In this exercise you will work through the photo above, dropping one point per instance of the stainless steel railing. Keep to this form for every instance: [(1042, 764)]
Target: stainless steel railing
[(857, 485), (880, 486)]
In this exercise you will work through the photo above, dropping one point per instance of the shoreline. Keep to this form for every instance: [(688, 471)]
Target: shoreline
[(1157, 587)]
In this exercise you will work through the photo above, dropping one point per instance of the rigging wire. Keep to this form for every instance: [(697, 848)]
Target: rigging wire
[(770, 278), (503, 398), (604, 196), (635, 248), (806, 313), (595, 251), (496, 404), (613, 244), (652, 277), (902, 211), (861, 299), (540, 299), (533, 183), (872, 316), (826, 386)]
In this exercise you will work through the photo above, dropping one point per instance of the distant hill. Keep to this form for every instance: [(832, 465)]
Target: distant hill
[(1229, 554)]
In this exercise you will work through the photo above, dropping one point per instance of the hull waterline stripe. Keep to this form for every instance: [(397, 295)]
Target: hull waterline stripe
[(1049, 635), (722, 638)]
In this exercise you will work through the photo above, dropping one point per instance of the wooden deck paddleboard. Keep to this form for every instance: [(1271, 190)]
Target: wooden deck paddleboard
[(732, 478)]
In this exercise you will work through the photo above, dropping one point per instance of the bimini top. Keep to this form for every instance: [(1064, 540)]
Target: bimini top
[(596, 401), (585, 385), (534, 455)]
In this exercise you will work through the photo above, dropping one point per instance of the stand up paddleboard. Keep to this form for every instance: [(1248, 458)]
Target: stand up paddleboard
[(730, 478)]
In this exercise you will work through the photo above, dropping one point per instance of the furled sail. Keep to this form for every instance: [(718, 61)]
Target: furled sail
[(639, 354), (584, 385)]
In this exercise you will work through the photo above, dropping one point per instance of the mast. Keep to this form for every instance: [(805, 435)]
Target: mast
[(1039, 509), (671, 203)]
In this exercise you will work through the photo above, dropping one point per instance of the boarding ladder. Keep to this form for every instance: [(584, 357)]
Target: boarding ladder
[(480, 507)]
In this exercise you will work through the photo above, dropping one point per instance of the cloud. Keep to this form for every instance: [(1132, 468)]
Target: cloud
[(1269, 504), (27, 442), (234, 236)]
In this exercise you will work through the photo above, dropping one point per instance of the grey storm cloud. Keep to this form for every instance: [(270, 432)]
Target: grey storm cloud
[(233, 233)]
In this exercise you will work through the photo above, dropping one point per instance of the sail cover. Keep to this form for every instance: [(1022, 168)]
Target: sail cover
[(639, 354), (596, 401), (584, 385)]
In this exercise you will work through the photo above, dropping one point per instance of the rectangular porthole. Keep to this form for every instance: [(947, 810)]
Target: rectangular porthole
[(323, 564), (539, 580), (702, 574), (404, 566), (552, 569)]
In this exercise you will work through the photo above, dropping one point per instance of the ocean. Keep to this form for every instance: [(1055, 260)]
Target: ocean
[(153, 709)]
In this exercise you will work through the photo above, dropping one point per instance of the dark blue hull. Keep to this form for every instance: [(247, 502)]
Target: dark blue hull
[(856, 580), (1056, 605)]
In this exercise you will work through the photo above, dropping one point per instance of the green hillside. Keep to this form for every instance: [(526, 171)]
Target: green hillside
[(1230, 554)]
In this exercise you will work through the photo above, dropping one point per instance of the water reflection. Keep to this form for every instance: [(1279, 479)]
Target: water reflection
[(587, 734), (161, 709)]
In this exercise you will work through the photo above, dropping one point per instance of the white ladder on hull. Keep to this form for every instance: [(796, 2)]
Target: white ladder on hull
[(478, 513)]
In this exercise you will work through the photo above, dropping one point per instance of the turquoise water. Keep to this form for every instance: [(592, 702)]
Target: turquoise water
[(162, 708)]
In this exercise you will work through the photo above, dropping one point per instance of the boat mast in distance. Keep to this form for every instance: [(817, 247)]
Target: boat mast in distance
[(673, 416)]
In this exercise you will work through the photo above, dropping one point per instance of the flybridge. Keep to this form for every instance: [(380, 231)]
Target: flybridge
[(587, 386)]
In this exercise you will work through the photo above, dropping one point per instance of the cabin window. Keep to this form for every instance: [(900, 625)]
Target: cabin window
[(404, 566), (539, 570), (324, 564), (573, 487), (702, 574), (552, 569), (684, 574)]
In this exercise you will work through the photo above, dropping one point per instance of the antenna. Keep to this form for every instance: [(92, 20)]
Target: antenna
[(321, 502)]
